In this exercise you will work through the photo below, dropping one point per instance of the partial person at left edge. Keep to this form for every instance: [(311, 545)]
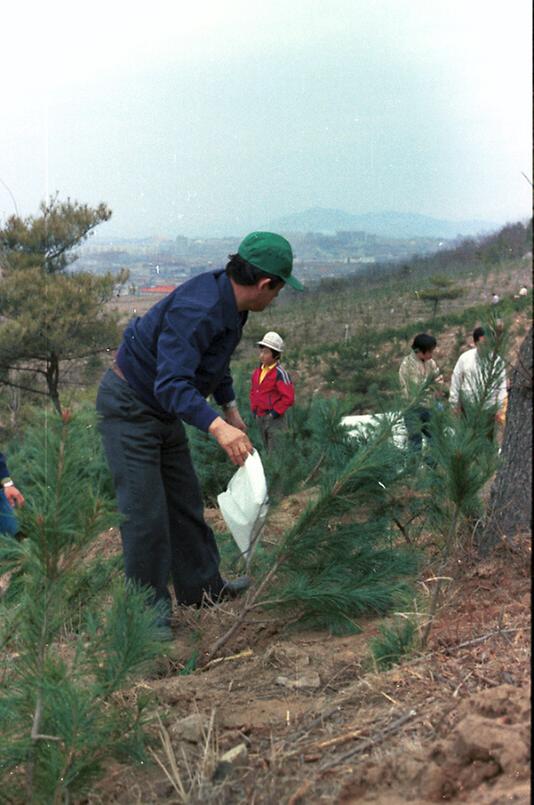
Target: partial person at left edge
[(10, 498), (170, 361)]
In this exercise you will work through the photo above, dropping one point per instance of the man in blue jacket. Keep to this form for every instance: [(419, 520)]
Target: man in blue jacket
[(170, 360)]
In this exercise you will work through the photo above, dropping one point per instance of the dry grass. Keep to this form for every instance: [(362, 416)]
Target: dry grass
[(190, 774)]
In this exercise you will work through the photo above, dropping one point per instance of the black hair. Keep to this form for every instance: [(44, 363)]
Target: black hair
[(424, 342), (478, 333), (244, 273)]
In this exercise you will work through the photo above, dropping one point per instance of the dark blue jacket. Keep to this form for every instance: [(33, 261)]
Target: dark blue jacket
[(179, 351), (4, 472)]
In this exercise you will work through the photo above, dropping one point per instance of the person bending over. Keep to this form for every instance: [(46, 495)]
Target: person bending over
[(170, 360)]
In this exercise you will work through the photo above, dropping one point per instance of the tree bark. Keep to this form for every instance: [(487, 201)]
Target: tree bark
[(52, 381), (510, 506)]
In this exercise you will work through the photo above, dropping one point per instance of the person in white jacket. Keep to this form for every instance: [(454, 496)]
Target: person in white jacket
[(472, 381)]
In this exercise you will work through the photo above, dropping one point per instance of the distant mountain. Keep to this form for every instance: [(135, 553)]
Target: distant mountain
[(385, 224)]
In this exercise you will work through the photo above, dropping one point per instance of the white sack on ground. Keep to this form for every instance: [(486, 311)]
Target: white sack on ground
[(362, 423), (245, 503)]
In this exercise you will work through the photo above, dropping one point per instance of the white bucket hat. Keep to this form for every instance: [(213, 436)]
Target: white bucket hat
[(271, 341)]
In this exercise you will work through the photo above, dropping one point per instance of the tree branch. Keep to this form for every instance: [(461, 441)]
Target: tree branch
[(23, 388)]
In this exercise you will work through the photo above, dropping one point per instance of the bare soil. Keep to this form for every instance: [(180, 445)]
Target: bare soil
[(312, 720)]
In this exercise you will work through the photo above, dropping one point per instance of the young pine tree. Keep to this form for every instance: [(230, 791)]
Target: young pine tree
[(61, 718), (463, 447), (342, 559)]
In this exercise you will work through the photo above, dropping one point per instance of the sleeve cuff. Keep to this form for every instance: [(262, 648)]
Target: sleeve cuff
[(224, 394), (204, 421), (227, 406)]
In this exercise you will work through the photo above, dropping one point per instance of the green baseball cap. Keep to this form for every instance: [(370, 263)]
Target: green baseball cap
[(270, 253)]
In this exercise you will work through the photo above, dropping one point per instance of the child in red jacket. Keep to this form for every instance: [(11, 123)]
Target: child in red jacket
[(271, 391)]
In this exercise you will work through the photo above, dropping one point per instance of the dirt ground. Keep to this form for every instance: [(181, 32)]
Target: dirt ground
[(306, 717), (280, 715)]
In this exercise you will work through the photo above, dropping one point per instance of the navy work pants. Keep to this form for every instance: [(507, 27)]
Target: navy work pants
[(164, 534)]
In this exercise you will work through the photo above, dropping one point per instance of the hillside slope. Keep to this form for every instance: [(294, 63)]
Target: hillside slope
[(316, 723), (308, 715)]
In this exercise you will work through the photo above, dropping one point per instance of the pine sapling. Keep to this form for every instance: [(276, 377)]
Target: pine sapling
[(60, 713)]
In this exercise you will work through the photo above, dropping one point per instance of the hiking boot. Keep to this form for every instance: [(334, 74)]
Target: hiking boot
[(233, 588), (228, 590)]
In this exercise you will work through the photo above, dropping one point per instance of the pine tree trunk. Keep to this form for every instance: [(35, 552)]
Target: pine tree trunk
[(14, 396), (52, 381), (510, 506)]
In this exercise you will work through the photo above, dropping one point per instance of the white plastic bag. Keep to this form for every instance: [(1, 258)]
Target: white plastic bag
[(245, 503)]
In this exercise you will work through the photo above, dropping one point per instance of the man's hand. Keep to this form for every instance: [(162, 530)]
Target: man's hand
[(233, 441), (233, 417), (14, 497), (440, 389)]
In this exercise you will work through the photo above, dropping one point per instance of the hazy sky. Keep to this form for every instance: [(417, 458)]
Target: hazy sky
[(213, 117)]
